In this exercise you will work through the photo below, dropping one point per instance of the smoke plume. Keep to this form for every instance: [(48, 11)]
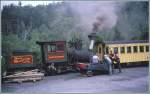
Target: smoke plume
[(96, 15)]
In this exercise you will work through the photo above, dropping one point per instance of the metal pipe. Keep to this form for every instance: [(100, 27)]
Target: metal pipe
[(91, 45)]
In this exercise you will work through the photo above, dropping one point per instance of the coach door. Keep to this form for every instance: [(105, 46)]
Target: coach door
[(100, 51)]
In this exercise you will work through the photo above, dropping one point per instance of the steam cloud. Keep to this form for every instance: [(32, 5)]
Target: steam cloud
[(96, 15), (129, 18)]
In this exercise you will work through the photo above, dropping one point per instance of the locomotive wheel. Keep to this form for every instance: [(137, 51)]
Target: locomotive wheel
[(53, 72), (58, 70), (50, 73)]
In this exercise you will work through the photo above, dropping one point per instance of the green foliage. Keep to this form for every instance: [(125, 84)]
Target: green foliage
[(99, 39), (144, 35), (117, 35), (133, 18), (10, 43), (3, 65)]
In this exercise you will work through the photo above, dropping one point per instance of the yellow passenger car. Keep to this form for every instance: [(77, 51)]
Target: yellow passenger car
[(128, 51)]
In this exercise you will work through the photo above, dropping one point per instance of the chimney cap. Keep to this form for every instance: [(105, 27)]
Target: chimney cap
[(92, 35)]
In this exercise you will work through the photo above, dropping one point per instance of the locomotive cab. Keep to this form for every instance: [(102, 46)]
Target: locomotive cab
[(54, 56)]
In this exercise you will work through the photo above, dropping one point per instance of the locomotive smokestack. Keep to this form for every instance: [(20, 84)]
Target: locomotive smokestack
[(92, 37), (91, 44), (96, 25)]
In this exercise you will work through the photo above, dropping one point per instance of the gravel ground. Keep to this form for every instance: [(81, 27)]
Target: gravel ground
[(134, 80)]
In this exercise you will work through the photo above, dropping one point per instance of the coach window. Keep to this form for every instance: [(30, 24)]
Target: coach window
[(116, 49), (51, 48), (122, 50), (99, 49), (147, 48), (135, 49), (128, 49), (107, 50), (141, 48)]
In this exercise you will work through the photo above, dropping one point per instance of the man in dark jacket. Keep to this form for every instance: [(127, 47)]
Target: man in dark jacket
[(115, 58)]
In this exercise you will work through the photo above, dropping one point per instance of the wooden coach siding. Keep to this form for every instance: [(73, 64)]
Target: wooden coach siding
[(131, 57)]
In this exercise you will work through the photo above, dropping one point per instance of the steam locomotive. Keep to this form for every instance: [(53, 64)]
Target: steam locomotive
[(58, 58)]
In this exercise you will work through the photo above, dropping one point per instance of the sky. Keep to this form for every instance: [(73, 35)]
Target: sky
[(33, 3)]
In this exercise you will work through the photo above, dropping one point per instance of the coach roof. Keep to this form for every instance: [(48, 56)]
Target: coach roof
[(125, 42)]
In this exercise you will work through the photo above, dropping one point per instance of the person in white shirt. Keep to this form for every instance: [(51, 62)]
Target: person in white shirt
[(94, 63), (107, 58), (95, 59)]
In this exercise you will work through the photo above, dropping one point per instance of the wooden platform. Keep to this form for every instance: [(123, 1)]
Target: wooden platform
[(31, 75)]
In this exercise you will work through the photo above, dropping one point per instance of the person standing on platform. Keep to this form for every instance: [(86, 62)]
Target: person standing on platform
[(115, 58)]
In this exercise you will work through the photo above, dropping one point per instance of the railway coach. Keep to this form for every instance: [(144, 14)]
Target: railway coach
[(128, 51)]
